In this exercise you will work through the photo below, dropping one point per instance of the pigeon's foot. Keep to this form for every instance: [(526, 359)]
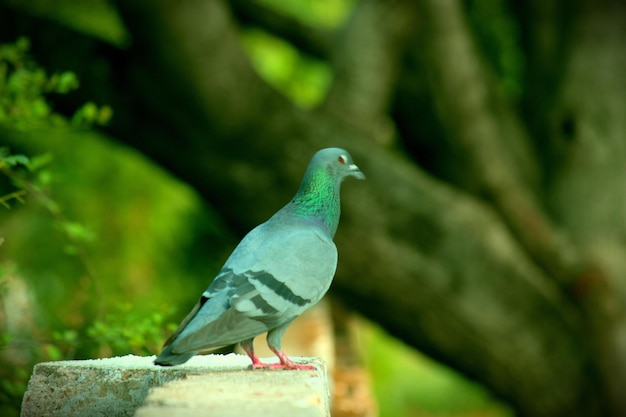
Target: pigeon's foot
[(261, 365), (293, 365), (256, 362), (286, 363)]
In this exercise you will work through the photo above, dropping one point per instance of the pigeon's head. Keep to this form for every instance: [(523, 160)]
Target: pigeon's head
[(337, 162)]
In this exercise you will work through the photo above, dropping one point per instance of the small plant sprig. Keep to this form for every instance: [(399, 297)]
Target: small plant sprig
[(25, 109), (8, 165), (24, 87)]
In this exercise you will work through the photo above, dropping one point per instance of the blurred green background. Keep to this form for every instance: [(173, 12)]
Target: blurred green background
[(102, 250)]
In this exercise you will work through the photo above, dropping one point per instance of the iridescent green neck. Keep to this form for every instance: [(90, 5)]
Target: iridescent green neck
[(317, 200)]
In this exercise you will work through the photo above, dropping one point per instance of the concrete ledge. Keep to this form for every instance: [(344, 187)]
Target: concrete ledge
[(215, 385)]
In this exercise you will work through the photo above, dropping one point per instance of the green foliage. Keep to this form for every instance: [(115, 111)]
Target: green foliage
[(24, 87), (15, 195), (323, 13), (7, 162), (101, 265), (131, 330), (10, 165), (413, 385), (75, 256), (97, 18), (6, 159), (302, 79), (102, 258), (90, 114), (11, 390)]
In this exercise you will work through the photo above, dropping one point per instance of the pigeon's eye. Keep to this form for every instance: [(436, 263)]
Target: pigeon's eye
[(342, 159)]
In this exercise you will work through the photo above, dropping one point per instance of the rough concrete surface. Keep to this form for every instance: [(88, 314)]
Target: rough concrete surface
[(210, 385)]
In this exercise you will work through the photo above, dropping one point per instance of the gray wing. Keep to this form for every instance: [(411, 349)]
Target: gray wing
[(269, 279)]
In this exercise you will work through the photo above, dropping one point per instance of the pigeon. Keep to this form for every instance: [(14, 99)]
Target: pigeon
[(278, 270)]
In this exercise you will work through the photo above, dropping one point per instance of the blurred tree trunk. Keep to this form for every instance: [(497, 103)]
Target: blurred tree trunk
[(504, 258), (586, 190)]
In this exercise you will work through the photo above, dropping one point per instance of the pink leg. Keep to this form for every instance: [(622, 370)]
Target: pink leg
[(256, 362), (286, 363)]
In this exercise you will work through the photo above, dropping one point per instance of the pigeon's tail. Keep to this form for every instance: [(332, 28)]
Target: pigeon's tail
[(169, 358)]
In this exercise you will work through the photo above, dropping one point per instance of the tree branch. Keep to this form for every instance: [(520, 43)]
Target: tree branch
[(366, 61), (496, 149), (545, 29), (587, 192), (15, 195), (472, 121)]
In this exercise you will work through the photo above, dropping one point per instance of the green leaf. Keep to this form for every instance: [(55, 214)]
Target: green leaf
[(38, 161), (67, 81), (85, 115), (13, 160), (22, 44), (77, 232), (44, 178), (69, 249), (53, 352), (104, 115)]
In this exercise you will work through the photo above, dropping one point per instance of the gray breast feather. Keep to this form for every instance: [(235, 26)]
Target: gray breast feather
[(302, 258)]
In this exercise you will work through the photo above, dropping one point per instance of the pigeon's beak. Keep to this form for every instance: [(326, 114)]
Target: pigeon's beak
[(356, 172)]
